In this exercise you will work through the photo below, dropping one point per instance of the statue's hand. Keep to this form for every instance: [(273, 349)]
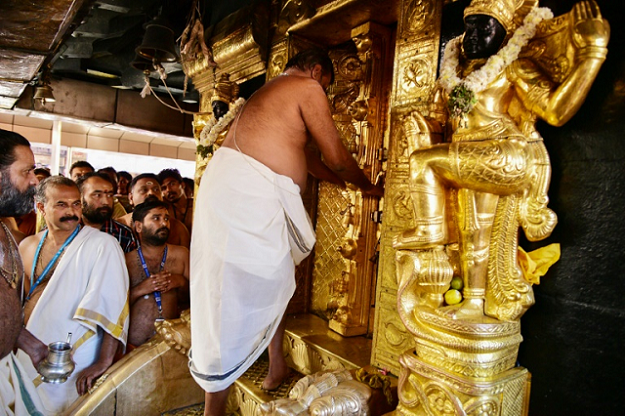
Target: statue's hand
[(589, 28)]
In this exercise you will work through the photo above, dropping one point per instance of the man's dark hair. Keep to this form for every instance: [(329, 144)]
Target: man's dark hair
[(311, 57), (110, 170), (142, 210), (169, 173), (189, 183), (80, 164), (52, 181), (142, 176), (9, 140), (124, 174), (80, 182), (42, 171)]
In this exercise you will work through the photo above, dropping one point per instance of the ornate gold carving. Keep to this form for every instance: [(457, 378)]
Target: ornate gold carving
[(307, 360), (294, 11), (426, 389), (176, 332), (416, 57), (469, 196), (417, 15)]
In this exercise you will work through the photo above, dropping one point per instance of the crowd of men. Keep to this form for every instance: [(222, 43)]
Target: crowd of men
[(103, 256), (106, 276)]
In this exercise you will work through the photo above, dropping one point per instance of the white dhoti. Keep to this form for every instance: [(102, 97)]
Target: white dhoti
[(17, 393), (242, 270), (87, 295)]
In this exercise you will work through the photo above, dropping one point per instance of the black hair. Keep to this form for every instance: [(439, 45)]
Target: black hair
[(310, 57), (81, 164), (169, 173), (9, 140), (142, 176), (110, 169), (42, 171), (124, 174), (54, 181), (142, 210), (80, 182)]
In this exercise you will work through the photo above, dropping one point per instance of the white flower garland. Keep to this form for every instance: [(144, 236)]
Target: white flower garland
[(478, 80), (213, 128)]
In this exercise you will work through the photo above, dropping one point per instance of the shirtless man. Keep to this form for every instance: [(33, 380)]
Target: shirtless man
[(173, 188), (143, 188), (243, 262), (151, 220), (17, 190)]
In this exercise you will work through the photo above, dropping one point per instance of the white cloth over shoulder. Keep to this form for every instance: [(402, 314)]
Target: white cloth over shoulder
[(242, 272), (17, 393), (87, 295)]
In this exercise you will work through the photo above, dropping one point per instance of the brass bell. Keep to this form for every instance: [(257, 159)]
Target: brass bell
[(158, 42), (44, 94), (142, 64)]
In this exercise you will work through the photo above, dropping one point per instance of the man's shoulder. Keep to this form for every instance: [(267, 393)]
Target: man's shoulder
[(124, 220), (31, 240), (122, 226), (177, 250)]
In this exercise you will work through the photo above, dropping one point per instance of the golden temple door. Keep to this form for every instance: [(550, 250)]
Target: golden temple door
[(338, 282)]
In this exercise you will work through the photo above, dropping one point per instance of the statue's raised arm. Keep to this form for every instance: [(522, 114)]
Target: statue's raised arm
[(558, 67)]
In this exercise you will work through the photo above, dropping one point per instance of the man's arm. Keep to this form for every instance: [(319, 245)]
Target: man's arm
[(318, 120), (319, 170), (32, 346), (85, 379)]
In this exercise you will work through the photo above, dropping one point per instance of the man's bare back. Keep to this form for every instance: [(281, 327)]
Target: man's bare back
[(276, 123), (143, 309)]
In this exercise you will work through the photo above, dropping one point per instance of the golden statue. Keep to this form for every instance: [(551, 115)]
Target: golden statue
[(471, 192), (212, 130)]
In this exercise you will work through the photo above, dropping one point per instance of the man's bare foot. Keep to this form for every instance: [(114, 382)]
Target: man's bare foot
[(277, 373)]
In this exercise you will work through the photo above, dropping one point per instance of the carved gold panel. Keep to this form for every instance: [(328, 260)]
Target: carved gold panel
[(426, 390), (414, 73)]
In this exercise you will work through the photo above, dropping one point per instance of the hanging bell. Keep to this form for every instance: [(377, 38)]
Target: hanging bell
[(158, 42), (44, 94), (142, 64)]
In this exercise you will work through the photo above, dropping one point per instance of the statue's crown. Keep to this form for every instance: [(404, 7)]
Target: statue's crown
[(225, 90), (502, 10)]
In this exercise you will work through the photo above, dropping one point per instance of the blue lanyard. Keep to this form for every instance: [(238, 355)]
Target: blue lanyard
[(51, 263), (157, 293)]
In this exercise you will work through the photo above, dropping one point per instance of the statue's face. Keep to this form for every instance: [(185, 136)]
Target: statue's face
[(483, 35), (219, 109)]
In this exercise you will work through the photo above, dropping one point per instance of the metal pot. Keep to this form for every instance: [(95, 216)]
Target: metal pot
[(58, 365)]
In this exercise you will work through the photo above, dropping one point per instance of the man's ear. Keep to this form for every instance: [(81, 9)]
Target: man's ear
[(39, 206), (138, 226), (317, 72)]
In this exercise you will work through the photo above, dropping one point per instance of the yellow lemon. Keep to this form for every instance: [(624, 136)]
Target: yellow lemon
[(456, 283), (453, 297)]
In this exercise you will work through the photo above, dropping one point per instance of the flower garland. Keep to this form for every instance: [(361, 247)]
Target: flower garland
[(462, 91), (214, 127)]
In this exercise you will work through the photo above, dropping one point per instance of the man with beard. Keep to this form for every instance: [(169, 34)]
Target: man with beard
[(17, 188), (145, 187), (97, 191), (172, 186), (76, 281), (159, 272)]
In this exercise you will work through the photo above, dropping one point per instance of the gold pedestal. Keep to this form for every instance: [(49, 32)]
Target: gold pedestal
[(428, 390)]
